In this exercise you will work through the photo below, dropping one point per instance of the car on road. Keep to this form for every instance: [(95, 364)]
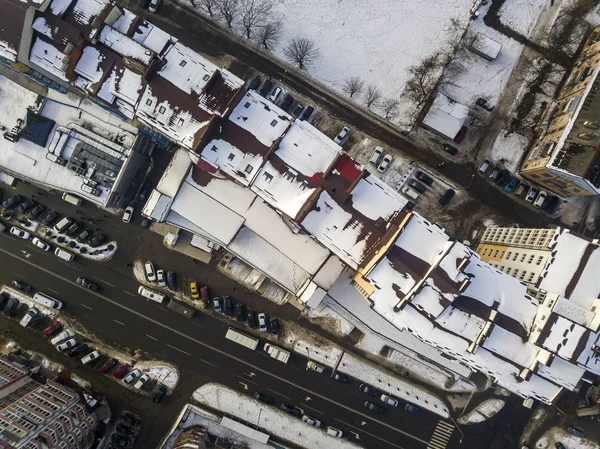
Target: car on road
[(70, 343), (18, 232), (340, 377), (171, 281), (53, 328), (141, 381), (79, 351), (275, 328), (160, 393), (12, 201), (311, 421), (447, 196), (274, 96), (332, 431), (92, 356), (424, 178), (122, 370), (227, 305), (461, 134), (154, 5), (217, 304), (84, 283), (132, 376), (150, 272), (160, 278), (240, 312), (291, 409), (262, 322), (97, 240), (50, 218), (342, 136), (127, 214), (27, 205), (108, 365), (449, 149), (531, 194), (194, 290), (41, 244), (483, 168), (20, 285), (389, 400), (37, 211), (10, 307), (384, 163), (251, 318), (263, 398), (512, 184), (413, 409), (371, 406), (368, 390), (541, 198)]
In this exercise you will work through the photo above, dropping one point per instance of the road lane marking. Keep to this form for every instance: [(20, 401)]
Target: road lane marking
[(224, 353), (196, 324), (83, 305), (150, 336), (371, 434), (19, 274), (243, 385), (103, 281), (312, 408), (70, 265), (278, 393), (247, 380), (117, 321), (163, 308), (129, 293), (177, 349), (54, 291)]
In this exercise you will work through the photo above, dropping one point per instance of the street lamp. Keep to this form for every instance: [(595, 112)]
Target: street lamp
[(462, 435), (471, 181)]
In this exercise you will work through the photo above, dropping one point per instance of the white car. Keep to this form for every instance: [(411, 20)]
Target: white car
[(384, 163), (334, 432), (262, 322), (539, 201), (150, 273), (41, 244), (31, 315), (389, 400), (376, 156), (141, 381), (160, 278), (275, 94), (70, 343), (20, 233), (311, 421), (342, 136), (127, 214), (90, 357), (132, 376), (64, 335)]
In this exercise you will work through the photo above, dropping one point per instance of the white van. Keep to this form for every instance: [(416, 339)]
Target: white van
[(410, 193), (151, 294), (75, 200), (315, 367), (64, 255), (48, 301), (63, 224), (64, 335)]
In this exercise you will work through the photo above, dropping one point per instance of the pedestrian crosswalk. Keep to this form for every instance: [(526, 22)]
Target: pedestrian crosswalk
[(441, 435)]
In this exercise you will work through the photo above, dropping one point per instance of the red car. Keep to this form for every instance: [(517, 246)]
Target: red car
[(461, 134), (108, 365), (122, 371), (53, 328), (204, 293)]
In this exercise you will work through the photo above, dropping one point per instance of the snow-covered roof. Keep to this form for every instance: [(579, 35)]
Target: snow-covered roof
[(263, 119), (128, 85), (83, 14), (424, 240), (49, 58), (152, 37), (89, 64), (329, 273), (562, 336), (41, 26), (124, 45), (573, 311), (175, 173), (186, 69), (376, 200), (486, 46), (124, 21), (58, 7), (157, 206), (446, 116)]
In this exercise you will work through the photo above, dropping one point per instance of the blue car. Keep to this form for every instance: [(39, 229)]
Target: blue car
[(512, 184)]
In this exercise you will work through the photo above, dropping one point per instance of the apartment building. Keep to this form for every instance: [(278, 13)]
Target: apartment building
[(521, 253), (38, 415), (565, 160)]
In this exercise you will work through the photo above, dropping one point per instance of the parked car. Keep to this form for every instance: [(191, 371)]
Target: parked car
[(389, 400), (3, 299), (297, 110), (251, 318), (449, 149), (340, 377), (18, 232), (483, 168), (311, 421), (160, 278), (50, 218), (275, 329), (332, 431), (31, 315), (342, 136), (12, 201), (263, 398), (240, 312), (368, 390), (73, 229), (560, 446), (127, 214), (274, 95), (531, 194), (24, 207), (194, 290), (84, 283), (377, 152), (41, 244), (160, 393), (461, 134), (512, 184), (120, 440), (522, 189), (413, 409), (483, 103), (291, 409), (541, 198), (37, 211), (266, 88), (262, 322), (124, 429), (227, 305), (384, 163), (91, 357), (141, 381), (97, 240), (68, 344), (10, 307), (217, 304), (132, 376), (576, 431), (154, 5), (503, 178), (204, 293), (150, 272), (84, 236), (287, 102), (552, 204), (64, 335), (424, 178), (371, 406), (254, 83), (307, 114), (79, 350), (171, 282), (494, 173), (20, 285), (108, 365), (122, 371), (447, 197), (416, 185)]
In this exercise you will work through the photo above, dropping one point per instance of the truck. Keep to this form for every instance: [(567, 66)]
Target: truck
[(241, 338), (277, 353), (75, 200), (181, 308)]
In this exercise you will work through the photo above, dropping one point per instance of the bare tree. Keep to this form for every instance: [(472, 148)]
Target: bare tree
[(423, 78), (269, 34), (255, 14), (227, 9), (353, 85), (208, 7), (390, 108), (372, 96), (301, 52)]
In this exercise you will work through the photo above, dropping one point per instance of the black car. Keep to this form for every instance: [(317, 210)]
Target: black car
[(254, 83), (146, 223), (449, 149), (274, 325), (97, 240), (120, 440), (50, 218), (287, 102), (124, 429), (240, 312), (307, 114), (266, 88), (251, 318), (171, 281), (297, 110), (37, 211), (84, 283), (445, 199), (11, 306), (424, 178), (160, 393), (84, 236), (368, 390), (227, 305), (27, 205), (341, 378), (3, 298), (12, 201), (144, 3), (373, 407), (73, 229), (503, 178), (263, 398), (291, 409), (131, 419), (20, 285), (552, 204), (80, 350), (145, 190)]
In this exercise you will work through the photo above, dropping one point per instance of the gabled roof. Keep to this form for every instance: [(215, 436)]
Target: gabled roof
[(124, 45)]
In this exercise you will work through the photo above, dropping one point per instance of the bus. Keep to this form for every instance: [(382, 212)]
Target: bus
[(241, 339)]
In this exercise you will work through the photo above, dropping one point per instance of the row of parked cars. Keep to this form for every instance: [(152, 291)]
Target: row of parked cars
[(126, 431), (275, 94)]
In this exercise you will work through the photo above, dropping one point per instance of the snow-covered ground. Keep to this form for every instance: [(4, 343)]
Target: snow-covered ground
[(556, 435), (507, 150), (164, 373), (101, 253), (270, 419)]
